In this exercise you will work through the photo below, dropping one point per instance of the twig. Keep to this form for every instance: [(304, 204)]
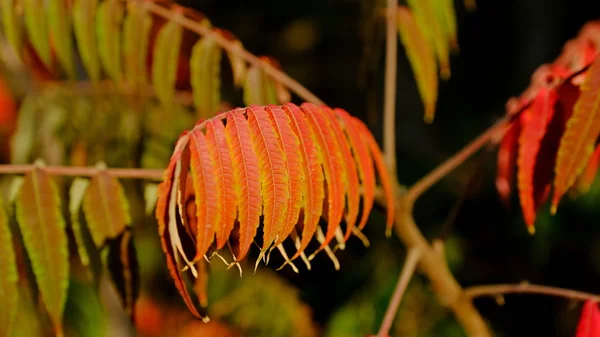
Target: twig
[(391, 66), (453, 162), (525, 288), (405, 275), (231, 47), (435, 268), (84, 171)]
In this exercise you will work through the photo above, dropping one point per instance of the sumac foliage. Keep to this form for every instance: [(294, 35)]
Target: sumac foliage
[(135, 50), (554, 128), (589, 322), (287, 165)]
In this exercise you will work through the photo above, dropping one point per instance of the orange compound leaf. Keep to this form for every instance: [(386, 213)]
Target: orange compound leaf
[(350, 178), (273, 173), (578, 141), (364, 164), (384, 177), (223, 173), (246, 178), (330, 156), (165, 214), (289, 142), (507, 159), (534, 121), (312, 190), (586, 179), (589, 321), (205, 188)]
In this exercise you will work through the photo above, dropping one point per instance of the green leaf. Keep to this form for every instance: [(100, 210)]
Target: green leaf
[(43, 229), (21, 145), (84, 314), (9, 296), (37, 29), (150, 195), (444, 11), (84, 17), (166, 58), (60, 31), (11, 25), (76, 192), (105, 208), (428, 23), (136, 37), (238, 64), (108, 28), (259, 89), (205, 76), (422, 60)]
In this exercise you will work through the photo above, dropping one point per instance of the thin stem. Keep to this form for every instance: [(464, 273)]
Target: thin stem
[(84, 171), (405, 275), (453, 162), (234, 48), (524, 288), (391, 66)]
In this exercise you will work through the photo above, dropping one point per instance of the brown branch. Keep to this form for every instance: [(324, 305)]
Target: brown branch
[(230, 46), (84, 171), (405, 275), (453, 162), (435, 268), (525, 288), (391, 66)]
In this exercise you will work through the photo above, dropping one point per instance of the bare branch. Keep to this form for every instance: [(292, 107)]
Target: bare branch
[(229, 46), (391, 66), (525, 288), (84, 171), (405, 275)]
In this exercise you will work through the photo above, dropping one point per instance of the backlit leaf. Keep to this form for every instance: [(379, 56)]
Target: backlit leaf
[(205, 76), (313, 191), (84, 24), (43, 229), (37, 30), (11, 25), (136, 37), (534, 121), (223, 174), (246, 179), (165, 60), (76, 194), (588, 176), (258, 88), (274, 176), (507, 159), (106, 208), (428, 23), (578, 141), (422, 60), (9, 291), (238, 64), (59, 22), (108, 29), (589, 322), (205, 189), (166, 215), (330, 156), (444, 10)]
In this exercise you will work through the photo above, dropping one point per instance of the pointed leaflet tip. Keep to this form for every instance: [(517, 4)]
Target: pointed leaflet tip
[(531, 229)]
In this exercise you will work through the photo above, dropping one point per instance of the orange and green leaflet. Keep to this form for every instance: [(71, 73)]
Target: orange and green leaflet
[(267, 167)]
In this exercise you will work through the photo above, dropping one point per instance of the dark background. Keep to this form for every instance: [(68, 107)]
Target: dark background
[(335, 48)]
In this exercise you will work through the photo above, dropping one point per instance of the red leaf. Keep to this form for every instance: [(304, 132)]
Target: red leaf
[(589, 322), (534, 122), (507, 159)]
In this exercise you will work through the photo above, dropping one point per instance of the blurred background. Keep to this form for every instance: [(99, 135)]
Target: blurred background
[(335, 48)]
